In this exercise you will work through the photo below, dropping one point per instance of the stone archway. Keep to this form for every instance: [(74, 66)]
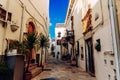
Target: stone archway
[(31, 25), (31, 28)]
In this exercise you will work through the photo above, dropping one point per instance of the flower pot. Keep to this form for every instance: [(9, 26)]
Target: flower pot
[(27, 76), (73, 63), (98, 45), (14, 28)]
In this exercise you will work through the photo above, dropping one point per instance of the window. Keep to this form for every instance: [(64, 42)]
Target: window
[(2, 13), (59, 34)]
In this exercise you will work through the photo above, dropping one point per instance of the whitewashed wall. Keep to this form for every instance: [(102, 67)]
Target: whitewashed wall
[(102, 31), (41, 18), (62, 30)]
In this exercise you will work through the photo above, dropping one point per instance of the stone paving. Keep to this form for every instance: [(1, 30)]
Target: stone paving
[(60, 70)]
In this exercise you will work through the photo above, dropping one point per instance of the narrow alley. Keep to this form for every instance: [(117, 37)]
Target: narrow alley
[(61, 70), (59, 39)]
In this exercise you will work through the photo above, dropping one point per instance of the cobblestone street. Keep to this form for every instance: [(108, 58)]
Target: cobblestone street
[(60, 70)]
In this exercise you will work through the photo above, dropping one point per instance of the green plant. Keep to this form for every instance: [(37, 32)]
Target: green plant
[(14, 44), (20, 46), (22, 49), (30, 40), (98, 45), (5, 71), (43, 43)]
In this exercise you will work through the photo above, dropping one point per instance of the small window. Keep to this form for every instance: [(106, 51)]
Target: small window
[(105, 61), (2, 13), (59, 34), (9, 16), (111, 62)]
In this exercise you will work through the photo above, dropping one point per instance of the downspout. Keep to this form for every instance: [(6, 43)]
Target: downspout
[(114, 29), (22, 20)]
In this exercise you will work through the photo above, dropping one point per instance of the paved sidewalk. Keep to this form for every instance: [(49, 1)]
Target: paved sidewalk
[(59, 70)]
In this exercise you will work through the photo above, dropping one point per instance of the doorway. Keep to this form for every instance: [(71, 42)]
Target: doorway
[(90, 57), (77, 54)]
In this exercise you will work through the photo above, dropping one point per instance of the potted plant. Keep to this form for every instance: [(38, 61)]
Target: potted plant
[(5, 71), (30, 40), (43, 44), (13, 46), (98, 45), (12, 60)]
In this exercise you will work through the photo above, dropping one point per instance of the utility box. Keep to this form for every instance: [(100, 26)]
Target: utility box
[(16, 64)]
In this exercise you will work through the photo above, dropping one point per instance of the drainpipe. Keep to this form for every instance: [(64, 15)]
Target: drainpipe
[(115, 34), (22, 20)]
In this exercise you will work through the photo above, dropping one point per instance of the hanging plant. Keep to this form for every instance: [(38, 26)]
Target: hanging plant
[(98, 45), (14, 27), (13, 44)]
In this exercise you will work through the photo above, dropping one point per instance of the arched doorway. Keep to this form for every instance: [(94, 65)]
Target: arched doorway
[(31, 29)]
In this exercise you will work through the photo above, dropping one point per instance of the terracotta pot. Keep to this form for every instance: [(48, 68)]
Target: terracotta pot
[(28, 76), (73, 63), (14, 28)]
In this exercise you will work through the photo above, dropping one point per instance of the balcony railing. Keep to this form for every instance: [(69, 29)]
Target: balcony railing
[(64, 42), (70, 36)]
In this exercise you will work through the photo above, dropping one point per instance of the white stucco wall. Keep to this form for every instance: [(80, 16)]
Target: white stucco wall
[(100, 31), (59, 28), (77, 13), (103, 33), (78, 31), (39, 16), (1, 38), (62, 30)]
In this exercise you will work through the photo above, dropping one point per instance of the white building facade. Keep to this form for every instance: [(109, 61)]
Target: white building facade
[(22, 14), (60, 32), (94, 37)]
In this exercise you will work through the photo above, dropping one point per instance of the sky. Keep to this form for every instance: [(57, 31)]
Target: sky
[(58, 10)]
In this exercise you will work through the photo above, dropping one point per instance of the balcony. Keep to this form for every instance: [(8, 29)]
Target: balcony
[(64, 42), (70, 36)]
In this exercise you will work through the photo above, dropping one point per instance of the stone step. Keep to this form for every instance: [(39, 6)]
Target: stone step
[(36, 71), (32, 66)]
